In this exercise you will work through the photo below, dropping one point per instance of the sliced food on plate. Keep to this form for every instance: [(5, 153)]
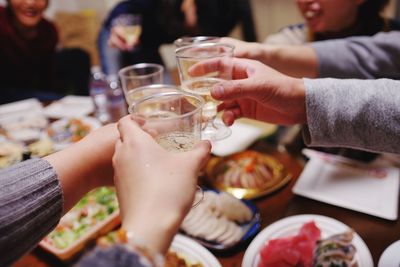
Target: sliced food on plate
[(307, 241), (220, 221), (95, 213), (70, 130), (248, 174)]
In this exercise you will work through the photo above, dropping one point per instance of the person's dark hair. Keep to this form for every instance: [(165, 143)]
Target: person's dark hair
[(372, 8)]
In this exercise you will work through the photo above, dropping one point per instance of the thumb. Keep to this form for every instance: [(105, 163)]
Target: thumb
[(199, 154)]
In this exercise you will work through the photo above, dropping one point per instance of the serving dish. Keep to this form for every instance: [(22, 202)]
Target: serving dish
[(193, 252), (95, 214), (290, 226), (222, 222), (67, 131), (248, 174)]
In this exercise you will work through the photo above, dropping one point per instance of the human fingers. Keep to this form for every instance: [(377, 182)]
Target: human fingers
[(199, 154), (129, 129), (117, 39), (234, 67)]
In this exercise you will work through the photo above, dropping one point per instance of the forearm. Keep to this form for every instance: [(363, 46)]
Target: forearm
[(85, 165), (30, 207), (296, 61), (360, 114)]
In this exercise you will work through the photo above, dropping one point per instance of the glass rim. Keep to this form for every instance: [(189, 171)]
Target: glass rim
[(188, 40), (151, 86), (206, 45), (122, 72), (176, 93)]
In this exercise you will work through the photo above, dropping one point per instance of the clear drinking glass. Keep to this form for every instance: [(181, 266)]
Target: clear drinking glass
[(139, 75), (129, 26), (186, 57), (147, 90), (186, 40), (173, 118)]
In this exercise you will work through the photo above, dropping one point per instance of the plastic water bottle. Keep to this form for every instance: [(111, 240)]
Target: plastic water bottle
[(116, 100), (98, 91)]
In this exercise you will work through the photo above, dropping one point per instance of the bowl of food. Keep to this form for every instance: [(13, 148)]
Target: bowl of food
[(248, 174)]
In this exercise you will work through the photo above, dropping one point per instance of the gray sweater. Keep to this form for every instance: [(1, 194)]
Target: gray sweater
[(360, 57), (361, 114)]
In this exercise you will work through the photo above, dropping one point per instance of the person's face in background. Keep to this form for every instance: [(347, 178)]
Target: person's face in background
[(329, 15), (28, 13)]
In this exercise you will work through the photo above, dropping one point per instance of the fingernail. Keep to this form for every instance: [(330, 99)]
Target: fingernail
[(218, 91)]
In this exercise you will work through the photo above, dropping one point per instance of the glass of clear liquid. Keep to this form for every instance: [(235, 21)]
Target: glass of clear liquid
[(186, 57), (173, 118), (129, 26), (138, 75)]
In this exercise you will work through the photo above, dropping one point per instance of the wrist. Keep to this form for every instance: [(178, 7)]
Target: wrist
[(299, 92), (155, 230)]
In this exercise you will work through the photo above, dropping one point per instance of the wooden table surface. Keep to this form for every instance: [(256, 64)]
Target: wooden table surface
[(377, 233)]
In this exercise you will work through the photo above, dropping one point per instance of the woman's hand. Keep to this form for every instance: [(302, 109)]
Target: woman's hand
[(85, 165), (118, 40), (256, 91), (155, 187)]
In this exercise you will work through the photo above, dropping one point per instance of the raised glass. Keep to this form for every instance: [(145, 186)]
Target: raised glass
[(173, 118), (186, 57), (187, 40), (139, 75)]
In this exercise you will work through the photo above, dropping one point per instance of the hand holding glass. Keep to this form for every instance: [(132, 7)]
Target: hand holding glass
[(189, 55), (173, 119), (129, 26)]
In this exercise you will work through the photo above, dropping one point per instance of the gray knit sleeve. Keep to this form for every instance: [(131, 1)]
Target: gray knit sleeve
[(31, 205), (361, 114), (360, 57)]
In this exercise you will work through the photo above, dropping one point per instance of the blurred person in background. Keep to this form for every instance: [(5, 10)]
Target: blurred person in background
[(332, 19), (30, 66), (163, 22)]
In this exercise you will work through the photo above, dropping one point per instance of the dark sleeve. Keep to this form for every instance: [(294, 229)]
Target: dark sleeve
[(31, 205), (116, 256), (248, 30), (125, 7)]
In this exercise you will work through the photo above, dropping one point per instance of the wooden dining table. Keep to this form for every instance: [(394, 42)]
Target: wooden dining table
[(377, 233)]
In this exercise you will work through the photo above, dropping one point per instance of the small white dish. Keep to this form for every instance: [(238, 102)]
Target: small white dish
[(193, 252), (351, 187), (391, 256), (290, 226), (69, 107)]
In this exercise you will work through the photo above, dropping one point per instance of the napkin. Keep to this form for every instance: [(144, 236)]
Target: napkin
[(244, 133), (370, 189), (70, 107)]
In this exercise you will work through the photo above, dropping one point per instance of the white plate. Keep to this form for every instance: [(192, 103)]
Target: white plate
[(60, 124), (391, 256), (70, 107), (193, 252), (351, 187), (291, 225)]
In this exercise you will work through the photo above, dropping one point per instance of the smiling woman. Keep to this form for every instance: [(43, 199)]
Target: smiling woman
[(30, 66), (331, 19)]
